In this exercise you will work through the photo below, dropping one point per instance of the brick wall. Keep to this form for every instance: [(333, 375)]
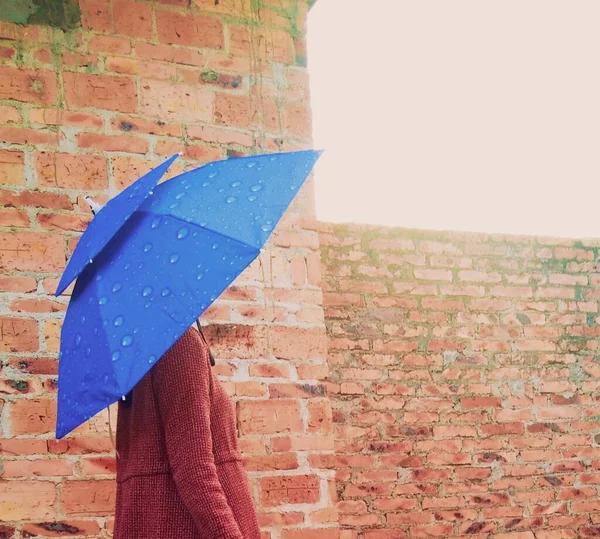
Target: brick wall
[(87, 111), (464, 383)]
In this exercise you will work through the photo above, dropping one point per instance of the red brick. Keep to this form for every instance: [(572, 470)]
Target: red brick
[(266, 44), (61, 221), (19, 135), (113, 143), (269, 417), (245, 112), (96, 15), (27, 500), (110, 44), (83, 527), (181, 29), (38, 467), (23, 199), (175, 102), (100, 91), (68, 171), (133, 19), (148, 70), (28, 85), (10, 115), (62, 117), (89, 498), (292, 489), (167, 53), (32, 416)]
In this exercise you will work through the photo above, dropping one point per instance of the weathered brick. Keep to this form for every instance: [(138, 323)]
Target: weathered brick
[(100, 91), (68, 171)]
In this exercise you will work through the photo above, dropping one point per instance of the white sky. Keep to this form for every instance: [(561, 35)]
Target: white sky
[(461, 114)]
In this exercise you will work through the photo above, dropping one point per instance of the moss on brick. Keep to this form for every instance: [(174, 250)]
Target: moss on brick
[(63, 14)]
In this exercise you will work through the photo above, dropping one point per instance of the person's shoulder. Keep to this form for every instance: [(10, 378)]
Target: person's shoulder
[(190, 351)]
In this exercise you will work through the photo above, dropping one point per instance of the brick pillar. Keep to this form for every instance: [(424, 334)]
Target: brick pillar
[(88, 110)]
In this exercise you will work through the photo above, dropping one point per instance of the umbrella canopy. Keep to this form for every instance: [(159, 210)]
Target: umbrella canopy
[(165, 264)]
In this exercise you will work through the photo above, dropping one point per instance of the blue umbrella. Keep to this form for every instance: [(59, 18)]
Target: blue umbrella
[(153, 260)]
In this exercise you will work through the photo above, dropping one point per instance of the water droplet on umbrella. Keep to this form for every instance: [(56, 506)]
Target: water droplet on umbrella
[(127, 266), (215, 246), (229, 200), (165, 292), (266, 228), (251, 198), (88, 352), (205, 184), (103, 300), (251, 164), (115, 357), (104, 323), (151, 359), (127, 340), (213, 174), (99, 277), (182, 233), (155, 222), (77, 339), (174, 258), (151, 192), (222, 190), (293, 188), (82, 319), (147, 291), (136, 331), (179, 196), (236, 184), (200, 275), (148, 305), (147, 247), (118, 321), (174, 205), (116, 287), (256, 188)]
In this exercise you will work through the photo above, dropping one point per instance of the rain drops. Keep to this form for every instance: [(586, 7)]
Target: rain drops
[(215, 246), (165, 292), (155, 222), (116, 287), (147, 291), (147, 247), (251, 198), (116, 356), (77, 339), (251, 164), (179, 196), (229, 200), (127, 341), (151, 359), (103, 300), (174, 258), (118, 321), (266, 227), (256, 188), (205, 184), (182, 233), (236, 184), (213, 174)]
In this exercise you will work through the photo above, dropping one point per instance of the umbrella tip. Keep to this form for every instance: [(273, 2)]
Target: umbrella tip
[(179, 154), (93, 204)]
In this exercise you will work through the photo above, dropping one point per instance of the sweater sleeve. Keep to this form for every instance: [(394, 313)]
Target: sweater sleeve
[(182, 384)]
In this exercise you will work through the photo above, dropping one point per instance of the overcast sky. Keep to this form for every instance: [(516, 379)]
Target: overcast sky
[(463, 115)]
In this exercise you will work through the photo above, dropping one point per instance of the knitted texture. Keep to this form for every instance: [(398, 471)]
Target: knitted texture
[(179, 472)]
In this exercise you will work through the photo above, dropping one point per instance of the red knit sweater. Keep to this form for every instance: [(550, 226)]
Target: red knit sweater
[(179, 473)]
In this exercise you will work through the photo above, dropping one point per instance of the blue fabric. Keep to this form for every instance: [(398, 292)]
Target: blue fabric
[(163, 266)]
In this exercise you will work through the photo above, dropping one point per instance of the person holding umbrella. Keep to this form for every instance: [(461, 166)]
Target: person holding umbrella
[(149, 264)]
